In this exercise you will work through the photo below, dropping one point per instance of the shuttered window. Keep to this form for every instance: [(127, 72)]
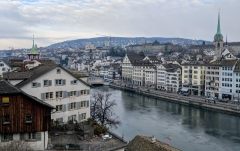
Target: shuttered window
[(5, 101)]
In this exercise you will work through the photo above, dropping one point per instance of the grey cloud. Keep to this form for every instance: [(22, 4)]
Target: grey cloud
[(175, 18)]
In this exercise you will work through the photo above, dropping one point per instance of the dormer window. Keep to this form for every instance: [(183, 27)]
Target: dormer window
[(58, 71)]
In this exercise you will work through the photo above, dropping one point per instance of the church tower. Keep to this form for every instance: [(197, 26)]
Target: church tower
[(33, 54), (218, 40)]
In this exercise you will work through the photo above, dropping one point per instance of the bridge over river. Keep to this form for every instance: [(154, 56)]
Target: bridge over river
[(95, 81)]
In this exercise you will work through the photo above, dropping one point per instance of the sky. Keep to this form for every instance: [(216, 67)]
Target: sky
[(52, 21)]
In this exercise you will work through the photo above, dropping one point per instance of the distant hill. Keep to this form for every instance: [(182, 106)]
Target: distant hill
[(120, 41)]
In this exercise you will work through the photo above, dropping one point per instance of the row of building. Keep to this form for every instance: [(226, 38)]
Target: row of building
[(217, 77)]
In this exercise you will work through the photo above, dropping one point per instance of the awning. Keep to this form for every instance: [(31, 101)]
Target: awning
[(184, 89)]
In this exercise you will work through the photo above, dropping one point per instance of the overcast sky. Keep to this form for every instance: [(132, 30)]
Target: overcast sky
[(54, 21)]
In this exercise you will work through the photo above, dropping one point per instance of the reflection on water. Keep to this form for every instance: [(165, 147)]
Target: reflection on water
[(190, 128)]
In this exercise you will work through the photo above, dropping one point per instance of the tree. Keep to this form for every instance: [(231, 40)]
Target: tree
[(102, 109)]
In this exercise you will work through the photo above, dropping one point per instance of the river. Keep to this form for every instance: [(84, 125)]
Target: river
[(190, 128)]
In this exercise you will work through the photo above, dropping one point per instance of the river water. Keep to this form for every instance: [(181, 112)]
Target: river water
[(190, 128)]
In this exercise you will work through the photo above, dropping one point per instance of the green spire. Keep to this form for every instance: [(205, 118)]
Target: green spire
[(33, 50), (218, 26), (218, 36)]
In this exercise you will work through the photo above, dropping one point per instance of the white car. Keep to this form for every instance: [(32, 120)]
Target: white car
[(209, 99)]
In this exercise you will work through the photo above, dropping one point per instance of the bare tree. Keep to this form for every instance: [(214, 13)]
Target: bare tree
[(102, 109)]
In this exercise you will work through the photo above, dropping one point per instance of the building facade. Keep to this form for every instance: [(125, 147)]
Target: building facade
[(193, 77), (23, 117), (57, 86)]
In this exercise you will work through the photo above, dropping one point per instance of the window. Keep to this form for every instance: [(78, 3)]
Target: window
[(83, 103), (47, 83), (6, 119), (58, 71), (60, 82), (73, 105), (73, 93), (28, 119), (31, 136), (1, 64), (35, 84), (59, 108), (83, 116), (59, 94), (50, 95), (74, 82), (5, 101), (6, 137)]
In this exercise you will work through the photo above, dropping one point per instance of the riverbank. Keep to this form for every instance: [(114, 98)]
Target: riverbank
[(186, 100)]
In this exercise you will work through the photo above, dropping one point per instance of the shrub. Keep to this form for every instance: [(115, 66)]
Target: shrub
[(100, 129)]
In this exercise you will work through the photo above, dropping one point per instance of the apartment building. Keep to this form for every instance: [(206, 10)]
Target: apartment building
[(169, 77), (139, 71), (127, 66), (236, 81), (151, 76), (193, 77), (57, 86), (227, 82)]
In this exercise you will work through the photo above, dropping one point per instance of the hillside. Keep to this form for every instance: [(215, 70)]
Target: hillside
[(120, 41)]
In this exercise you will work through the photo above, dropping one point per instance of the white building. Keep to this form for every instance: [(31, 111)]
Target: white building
[(169, 77), (60, 88), (227, 82), (151, 76)]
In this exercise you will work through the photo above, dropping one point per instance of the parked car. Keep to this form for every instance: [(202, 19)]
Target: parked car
[(235, 101), (186, 94), (223, 100), (210, 99)]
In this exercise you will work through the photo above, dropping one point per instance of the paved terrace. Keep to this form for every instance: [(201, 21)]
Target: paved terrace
[(90, 142)]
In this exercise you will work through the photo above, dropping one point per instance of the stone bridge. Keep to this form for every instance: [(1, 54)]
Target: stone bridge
[(95, 81)]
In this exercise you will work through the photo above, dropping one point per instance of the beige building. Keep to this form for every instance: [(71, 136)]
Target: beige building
[(127, 66), (193, 77), (153, 47)]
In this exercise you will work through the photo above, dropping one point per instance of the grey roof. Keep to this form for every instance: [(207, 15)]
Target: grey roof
[(144, 143), (41, 70), (8, 88), (16, 75)]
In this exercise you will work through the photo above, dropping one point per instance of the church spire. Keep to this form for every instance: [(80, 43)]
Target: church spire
[(218, 36), (218, 26)]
